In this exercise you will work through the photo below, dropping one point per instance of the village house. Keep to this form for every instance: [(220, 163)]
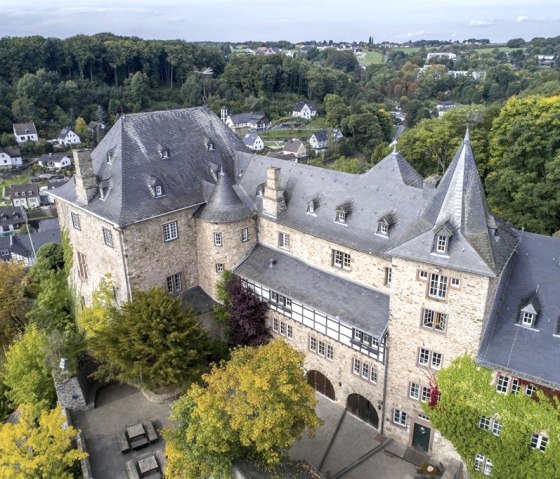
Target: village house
[(10, 157), (11, 219), (296, 147), (68, 137), (23, 248), (26, 196), (55, 161), (304, 110), (319, 140), (253, 141), (254, 120), (434, 55), (25, 132), (380, 279)]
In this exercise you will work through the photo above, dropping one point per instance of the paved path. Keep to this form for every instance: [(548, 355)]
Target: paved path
[(117, 405)]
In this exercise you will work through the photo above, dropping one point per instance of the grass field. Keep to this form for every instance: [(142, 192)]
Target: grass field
[(286, 134)]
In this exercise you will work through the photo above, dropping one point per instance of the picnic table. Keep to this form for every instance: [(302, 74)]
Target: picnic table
[(150, 465), (137, 436)]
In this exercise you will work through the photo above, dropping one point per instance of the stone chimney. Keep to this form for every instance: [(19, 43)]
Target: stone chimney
[(86, 181), (273, 198)]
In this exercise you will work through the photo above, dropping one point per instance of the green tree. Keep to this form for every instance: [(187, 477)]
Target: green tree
[(152, 341), (38, 447), (254, 406), (466, 393), (13, 302), (523, 182), (26, 372)]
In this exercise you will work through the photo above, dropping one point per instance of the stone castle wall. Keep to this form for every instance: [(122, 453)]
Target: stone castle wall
[(230, 254)]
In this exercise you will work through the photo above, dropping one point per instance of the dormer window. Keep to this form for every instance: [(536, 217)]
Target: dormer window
[(210, 145), (340, 216), (442, 244), (164, 153), (310, 208), (158, 190), (382, 229), (529, 312), (260, 190), (110, 155)]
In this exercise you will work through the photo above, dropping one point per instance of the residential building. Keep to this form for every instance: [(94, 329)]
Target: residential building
[(254, 120), (253, 141), (10, 157), (304, 110), (444, 106), (23, 248), (11, 219), (68, 137), (55, 161), (380, 279), (434, 55), (26, 196), (296, 147), (319, 140), (25, 132)]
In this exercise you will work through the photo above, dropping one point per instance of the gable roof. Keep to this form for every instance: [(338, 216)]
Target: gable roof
[(53, 157), (293, 146), (250, 117), (250, 137), (29, 189), (532, 276), (64, 132), (13, 152), (135, 144), (25, 129), (11, 215), (26, 245), (482, 243), (320, 136), (300, 104)]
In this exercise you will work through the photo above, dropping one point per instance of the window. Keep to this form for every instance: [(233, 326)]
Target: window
[(388, 276), (496, 428), (383, 229), (414, 391), (373, 375), (425, 396), (310, 208), (164, 153), (530, 389), (290, 332), (218, 241), (502, 384), (527, 319), (330, 352), (400, 417), (441, 244), (158, 190), (484, 423), (357, 366), (434, 320), (244, 235), (108, 237), (515, 386), (210, 145), (539, 442), (340, 217), (321, 350), (340, 259), (174, 284), (422, 274), (490, 424), (455, 282), (219, 268), (260, 190), (170, 231), (275, 323), (438, 286), (429, 358), (283, 240), (282, 328), (76, 221), (313, 343), (82, 266), (365, 370), (482, 464), (280, 300)]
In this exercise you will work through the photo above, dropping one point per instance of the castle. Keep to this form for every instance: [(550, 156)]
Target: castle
[(381, 279)]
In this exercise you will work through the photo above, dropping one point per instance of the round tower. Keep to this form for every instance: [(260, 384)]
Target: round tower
[(226, 233)]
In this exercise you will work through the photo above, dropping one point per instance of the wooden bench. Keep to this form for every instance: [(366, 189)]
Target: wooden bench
[(151, 432), (123, 442)]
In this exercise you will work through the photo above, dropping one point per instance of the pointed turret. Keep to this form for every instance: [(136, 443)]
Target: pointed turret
[(459, 208), (396, 166), (224, 205)]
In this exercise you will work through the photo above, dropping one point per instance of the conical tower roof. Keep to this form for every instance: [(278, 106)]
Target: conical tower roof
[(460, 206), (224, 205)]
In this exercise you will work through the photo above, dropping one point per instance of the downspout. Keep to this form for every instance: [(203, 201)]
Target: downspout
[(385, 381), (125, 264)]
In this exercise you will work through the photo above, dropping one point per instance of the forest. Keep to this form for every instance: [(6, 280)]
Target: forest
[(57, 82)]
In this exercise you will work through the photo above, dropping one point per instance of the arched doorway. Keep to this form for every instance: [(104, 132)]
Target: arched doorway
[(359, 406), (320, 383)]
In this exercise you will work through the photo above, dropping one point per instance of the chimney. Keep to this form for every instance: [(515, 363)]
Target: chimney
[(273, 198), (86, 182)]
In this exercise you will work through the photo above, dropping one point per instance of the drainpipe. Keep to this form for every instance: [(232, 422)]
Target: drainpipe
[(385, 380)]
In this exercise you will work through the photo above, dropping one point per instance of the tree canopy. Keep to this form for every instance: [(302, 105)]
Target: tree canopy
[(253, 406), (13, 302), (38, 448), (152, 342), (467, 396)]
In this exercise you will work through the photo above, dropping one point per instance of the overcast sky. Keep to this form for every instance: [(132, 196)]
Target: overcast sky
[(293, 20)]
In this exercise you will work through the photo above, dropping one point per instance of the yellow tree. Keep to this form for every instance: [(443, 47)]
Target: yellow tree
[(253, 406), (37, 448), (92, 319)]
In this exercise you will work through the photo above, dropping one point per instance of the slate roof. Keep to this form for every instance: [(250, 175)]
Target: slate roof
[(25, 129), (482, 243), (223, 206), (391, 186), (293, 146), (361, 307), (49, 225), (135, 144), (531, 353), (251, 117), (29, 189), (21, 244), (53, 157), (299, 106), (11, 215), (199, 300), (250, 137), (11, 152), (64, 132), (320, 136)]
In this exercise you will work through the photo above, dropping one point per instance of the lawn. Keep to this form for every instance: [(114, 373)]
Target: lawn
[(286, 134), (373, 58)]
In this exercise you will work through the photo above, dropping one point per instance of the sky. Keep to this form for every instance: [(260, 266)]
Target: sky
[(292, 20)]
